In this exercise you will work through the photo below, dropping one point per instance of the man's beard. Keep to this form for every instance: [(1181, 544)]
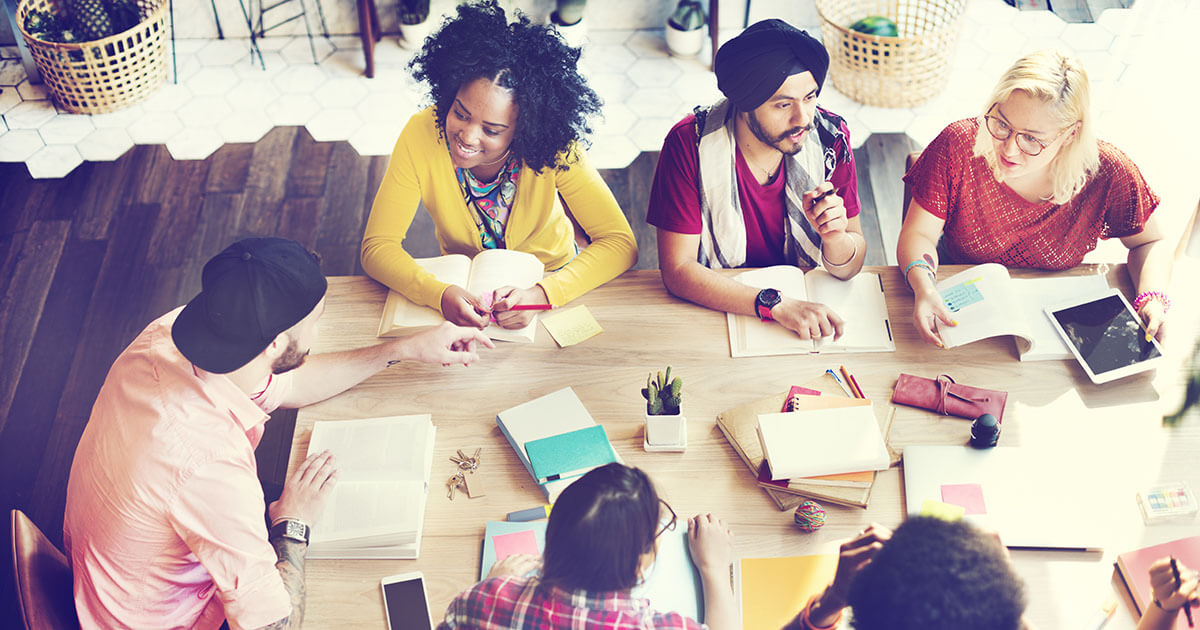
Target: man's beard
[(761, 134), (291, 358)]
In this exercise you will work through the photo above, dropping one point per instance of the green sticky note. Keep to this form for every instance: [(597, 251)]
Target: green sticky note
[(944, 511)]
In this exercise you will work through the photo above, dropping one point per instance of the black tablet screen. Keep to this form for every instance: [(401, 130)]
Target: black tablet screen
[(1106, 334), (406, 607)]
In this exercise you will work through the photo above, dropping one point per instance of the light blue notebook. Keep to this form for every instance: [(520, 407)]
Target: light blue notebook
[(569, 454)]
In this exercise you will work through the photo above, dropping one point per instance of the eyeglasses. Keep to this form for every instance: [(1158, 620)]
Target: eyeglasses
[(670, 524), (1029, 145)]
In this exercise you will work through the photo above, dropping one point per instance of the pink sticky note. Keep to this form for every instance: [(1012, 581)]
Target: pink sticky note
[(968, 495), (516, 542)]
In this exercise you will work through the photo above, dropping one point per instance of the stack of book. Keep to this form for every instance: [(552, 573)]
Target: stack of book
[(377, 508), (740, 427), (556, 439)]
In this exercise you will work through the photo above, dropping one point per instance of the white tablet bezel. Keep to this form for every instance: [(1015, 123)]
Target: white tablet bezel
[(405, 577), (1111, 375)]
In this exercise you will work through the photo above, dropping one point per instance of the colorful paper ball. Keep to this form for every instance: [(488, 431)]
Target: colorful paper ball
[(810, 516)]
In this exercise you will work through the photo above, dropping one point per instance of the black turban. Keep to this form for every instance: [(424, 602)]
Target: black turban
[(751, 66)]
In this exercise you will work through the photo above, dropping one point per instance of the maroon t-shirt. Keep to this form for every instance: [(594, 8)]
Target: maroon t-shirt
[(675, 195)]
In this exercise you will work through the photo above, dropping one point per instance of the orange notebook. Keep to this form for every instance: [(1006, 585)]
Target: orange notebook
[(1134, 568)]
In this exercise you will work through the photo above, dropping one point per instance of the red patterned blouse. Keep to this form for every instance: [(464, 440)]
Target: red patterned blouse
[(987, 222)]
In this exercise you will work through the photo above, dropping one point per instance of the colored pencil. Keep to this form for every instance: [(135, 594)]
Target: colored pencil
[(530, 307)]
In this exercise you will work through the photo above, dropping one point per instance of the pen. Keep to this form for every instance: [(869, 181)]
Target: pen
[(840, 383), (1187, 606), (820, 197), (1102, 616), (530, 307), (532, 514)]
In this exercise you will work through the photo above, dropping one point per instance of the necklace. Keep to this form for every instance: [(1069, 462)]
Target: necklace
[(767, 173)]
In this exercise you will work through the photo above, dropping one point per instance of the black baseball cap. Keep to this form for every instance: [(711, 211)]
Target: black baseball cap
[(251, 292)]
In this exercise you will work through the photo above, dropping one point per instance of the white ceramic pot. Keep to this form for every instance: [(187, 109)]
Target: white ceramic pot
[(575, 34), (412, 36), (666, 431), (684, 43)]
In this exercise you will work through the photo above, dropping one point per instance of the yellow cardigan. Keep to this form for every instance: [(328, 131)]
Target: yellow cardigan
[(421, 171)]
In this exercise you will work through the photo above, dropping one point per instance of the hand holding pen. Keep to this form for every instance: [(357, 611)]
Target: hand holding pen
[(825, 210), (1174, 586), (515, 308)]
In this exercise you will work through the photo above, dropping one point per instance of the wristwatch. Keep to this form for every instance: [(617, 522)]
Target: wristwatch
[(766, 299), (291, 529)]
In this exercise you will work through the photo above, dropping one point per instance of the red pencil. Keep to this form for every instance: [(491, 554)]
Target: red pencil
[(530, 307), (851, 382)]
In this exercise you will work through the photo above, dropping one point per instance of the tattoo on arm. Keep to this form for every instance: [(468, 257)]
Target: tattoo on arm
[(291, 568)]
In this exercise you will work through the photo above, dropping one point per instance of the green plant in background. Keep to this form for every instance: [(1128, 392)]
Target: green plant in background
[(876, 25), (85, 21), (414, 11), (663, 395), (688, 15), (568, 12)]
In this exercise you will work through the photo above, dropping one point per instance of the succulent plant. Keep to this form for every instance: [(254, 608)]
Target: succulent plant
[(663, 394), (688, 15)]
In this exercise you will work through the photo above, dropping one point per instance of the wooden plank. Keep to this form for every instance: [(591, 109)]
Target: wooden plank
[(344, 211), (869, 216), (300, 219), (154, 167), (30, 275), (229, 167), (176, 231), (266, 182), (106, 193), (306, 176), (887, 153)]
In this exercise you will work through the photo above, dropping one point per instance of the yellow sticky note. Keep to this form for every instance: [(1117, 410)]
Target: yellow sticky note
[(572, 326), (944, 511)]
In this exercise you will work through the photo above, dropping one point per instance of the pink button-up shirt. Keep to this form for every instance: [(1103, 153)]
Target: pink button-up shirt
[(165, 515)]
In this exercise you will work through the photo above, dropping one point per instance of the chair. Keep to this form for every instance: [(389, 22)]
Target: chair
[(43, 578)]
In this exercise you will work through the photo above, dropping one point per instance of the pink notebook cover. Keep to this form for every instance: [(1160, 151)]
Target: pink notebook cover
[(1134, 567)]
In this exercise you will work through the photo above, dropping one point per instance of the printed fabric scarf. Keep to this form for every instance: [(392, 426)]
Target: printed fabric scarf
[(490, 201), (723, 230)]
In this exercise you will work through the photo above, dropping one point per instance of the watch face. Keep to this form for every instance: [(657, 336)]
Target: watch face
[(295, 529)]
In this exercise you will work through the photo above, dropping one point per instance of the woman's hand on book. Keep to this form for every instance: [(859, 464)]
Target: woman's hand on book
[(507, 297), (810, 320), (928, 309), (517, 564), (711, 543), (463, 308)]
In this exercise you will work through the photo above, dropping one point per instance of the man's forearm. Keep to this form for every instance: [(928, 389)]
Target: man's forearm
[(695, 283), (326, 375), (291, 568)]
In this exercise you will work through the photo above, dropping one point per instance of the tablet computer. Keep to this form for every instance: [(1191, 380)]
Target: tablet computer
[(1106, 335), (405, 602)]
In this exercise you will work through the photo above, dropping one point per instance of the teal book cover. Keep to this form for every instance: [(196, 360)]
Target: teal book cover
[(569, 454)]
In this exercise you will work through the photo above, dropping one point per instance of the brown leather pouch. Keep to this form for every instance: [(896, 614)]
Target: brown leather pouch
[(948, 398)]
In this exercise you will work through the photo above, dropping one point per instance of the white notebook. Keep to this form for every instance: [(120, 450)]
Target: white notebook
[(822, 442)]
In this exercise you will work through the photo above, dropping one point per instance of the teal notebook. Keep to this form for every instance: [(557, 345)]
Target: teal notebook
[(570, 454), (673, 583)]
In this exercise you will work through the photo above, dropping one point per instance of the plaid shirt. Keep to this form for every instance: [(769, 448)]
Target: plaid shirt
[(519, 603)]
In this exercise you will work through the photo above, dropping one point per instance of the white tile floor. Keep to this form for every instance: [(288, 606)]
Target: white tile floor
[(222, 97)]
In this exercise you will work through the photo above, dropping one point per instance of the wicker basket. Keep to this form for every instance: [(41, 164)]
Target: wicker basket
[(901, 71), (106, 74)]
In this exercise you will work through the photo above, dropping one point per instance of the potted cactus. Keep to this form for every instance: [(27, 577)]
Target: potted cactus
[(666, 428), (685, 29), (415, 24)]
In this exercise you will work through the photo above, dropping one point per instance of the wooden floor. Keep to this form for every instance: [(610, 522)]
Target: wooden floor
[(87, 261)]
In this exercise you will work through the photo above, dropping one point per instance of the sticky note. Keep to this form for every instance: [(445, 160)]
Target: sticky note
[(572, 326), (944, 511), (968, 495), (516, 542)]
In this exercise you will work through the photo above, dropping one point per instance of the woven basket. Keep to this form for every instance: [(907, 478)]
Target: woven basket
[(106, 74), (901, 71)]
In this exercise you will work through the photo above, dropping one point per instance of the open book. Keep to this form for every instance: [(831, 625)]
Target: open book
[(859, 301), (377, 508), (489, 270), (987, 302)]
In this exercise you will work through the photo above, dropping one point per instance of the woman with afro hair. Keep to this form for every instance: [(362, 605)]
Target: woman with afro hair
[(494, 160)]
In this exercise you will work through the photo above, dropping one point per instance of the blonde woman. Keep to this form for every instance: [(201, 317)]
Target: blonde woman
[(1027, 184)]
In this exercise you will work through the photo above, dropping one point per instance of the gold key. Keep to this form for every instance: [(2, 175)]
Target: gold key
[(455, 482)]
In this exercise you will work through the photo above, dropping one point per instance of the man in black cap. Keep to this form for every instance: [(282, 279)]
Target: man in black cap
[(763, 177), (164, 521)]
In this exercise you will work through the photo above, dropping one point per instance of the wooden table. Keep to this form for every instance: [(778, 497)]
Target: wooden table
[(647, 329)]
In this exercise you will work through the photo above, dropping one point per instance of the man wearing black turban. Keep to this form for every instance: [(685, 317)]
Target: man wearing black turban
[(762, 177)]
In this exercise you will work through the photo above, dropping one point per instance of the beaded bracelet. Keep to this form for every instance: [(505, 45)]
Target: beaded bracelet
[(918, 263), (1145, 296)]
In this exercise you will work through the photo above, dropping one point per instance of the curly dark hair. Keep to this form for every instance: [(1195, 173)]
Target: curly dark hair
[(935, 574), (553, 101)]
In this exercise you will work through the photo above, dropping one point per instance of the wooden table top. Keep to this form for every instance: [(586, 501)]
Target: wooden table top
[(646, 329)]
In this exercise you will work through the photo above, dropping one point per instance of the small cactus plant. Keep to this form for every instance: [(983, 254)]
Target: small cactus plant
[(663, 394)]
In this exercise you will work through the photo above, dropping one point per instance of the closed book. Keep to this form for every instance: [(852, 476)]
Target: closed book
[(770, 591), (822, 442), (860, 479), (1134, 568), (569, 454)]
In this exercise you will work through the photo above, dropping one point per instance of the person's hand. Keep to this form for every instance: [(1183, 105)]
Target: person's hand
[(711, 543), (1162, 581), (507, 297), (810, 320), (463, 308), (1154, 316), (304, 492), (517, 564), (853, 556), (445, 344), (928, 309), (828, 215)]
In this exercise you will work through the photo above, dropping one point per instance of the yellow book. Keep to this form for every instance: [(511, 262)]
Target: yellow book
[(771, 591)]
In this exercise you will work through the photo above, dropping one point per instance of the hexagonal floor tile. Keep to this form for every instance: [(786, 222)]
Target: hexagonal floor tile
[(123, 118), (647, 134), (333, 124), (204, 111), (341, 93), (924, 128), (1000, 38), (608, 57), (194, 143), (155, 128), (612, 152), (697, 88), (167, 98), (292, 109), (11, 72), (224, 52), (386, 106), (18, 144), (612, 87), (303, 79), (1045, 23), (647, 44), (244, 126), (884, 119), (104, 145), (298, 50), (650, 102), (251, 95), (833, 100), (377, 137), (66, 129), (31, 92), (30, 114), (9, 98), (653, 72), (212, 81), (1087, 37), (617, 119), (53, 161)]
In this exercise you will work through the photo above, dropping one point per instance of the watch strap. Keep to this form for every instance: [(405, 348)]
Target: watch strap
[(292, 529)]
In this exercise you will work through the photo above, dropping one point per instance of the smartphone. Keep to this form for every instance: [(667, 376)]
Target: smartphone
[(405, 602)]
